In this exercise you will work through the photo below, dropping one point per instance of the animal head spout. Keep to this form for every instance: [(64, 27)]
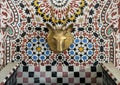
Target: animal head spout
[(59, 39)]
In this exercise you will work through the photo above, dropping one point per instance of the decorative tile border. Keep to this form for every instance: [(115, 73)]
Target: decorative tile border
[(109, 67), (10, 75)]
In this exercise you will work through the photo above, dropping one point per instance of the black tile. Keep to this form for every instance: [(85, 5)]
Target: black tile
[(48, 68), (36, 80), (101, 49), (95, 63), (95, 34), (59, 80), (66, 63), (70, 68), (17, 48), (19, 84), (88, 84), (25, 68), (80, 29), (54, 74), (31, 74), (82, 80), (42, 84), (23, 34), (96, 5), (24, 63), (22, 5), (93, 69), (76, 74), (54, 62), (99, 74), (65, 84)]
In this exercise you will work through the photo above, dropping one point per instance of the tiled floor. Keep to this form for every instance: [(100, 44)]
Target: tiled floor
[(59, 75)]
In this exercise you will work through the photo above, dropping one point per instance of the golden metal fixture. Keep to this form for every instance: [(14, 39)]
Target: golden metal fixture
[(59, 39)]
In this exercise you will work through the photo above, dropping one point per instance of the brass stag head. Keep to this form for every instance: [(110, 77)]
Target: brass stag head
[(59, 39)]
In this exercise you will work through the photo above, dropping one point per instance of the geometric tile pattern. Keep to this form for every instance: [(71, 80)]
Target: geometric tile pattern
[(1, 50), (96, 31), (35, 51), (62, 75), (61, 9), (96, 39), (9, 27)]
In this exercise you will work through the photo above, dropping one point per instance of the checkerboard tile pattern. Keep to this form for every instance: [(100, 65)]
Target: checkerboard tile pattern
[(59, 75)]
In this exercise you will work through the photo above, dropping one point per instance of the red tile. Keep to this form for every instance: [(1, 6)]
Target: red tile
[(42, 74), (19, 74), (54, 84), (37, 68), (48, 80), (65, 74), (93, 80), (30, 84), (71, 80), (59, 68), (82, 70), (88, 74), (25, 80)]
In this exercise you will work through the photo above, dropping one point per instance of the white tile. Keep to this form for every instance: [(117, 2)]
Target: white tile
[(30, 80), (19, 80), (76, 68), (53, 80), (76, 80), (36, 74), (42, 68), (71, 74), (25, 74), (59, 74), (87, 80), (31, 68), (54, 68), (48, 74), (42, 80), (65, 80), (82, 74)]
